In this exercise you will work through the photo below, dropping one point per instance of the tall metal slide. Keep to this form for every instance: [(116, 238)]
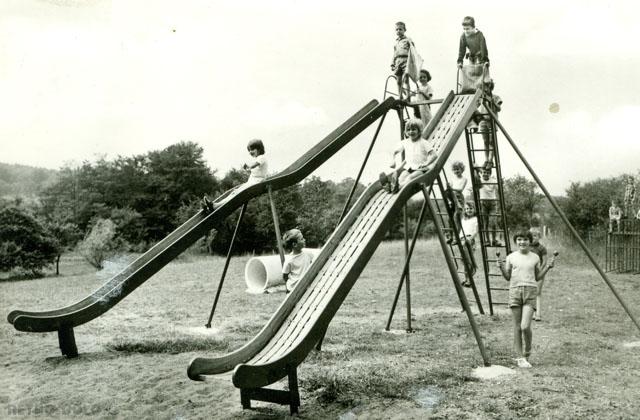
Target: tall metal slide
[(113, 291), (302, 319)]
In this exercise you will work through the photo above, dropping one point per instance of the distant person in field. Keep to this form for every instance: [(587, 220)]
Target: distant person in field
[(541, 251), (424, 93), (469, 233), (400, 54), (298, 261), (257, 168), (522, 270), (418, 158), (615, 214), (473, 46), (629, 196)]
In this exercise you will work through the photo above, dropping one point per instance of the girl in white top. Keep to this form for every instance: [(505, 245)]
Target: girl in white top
[(418, 157), (425, 93), (522, 270), (257, 169), (468, 234)]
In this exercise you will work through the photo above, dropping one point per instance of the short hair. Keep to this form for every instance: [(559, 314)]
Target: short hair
[(471, 205), (485, 169), (257, 145), (469, 21), (291, 237), (457, 165), (423, 71), (401, 24), (414, 123), (522, 233)]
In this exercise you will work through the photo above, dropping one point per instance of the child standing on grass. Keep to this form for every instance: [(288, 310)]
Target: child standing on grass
[(418, 157), (298, 261), (257, 168), (522, 270), (541, 251)]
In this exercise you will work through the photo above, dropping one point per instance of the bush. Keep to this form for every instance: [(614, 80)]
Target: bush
[(24, 242), (100, 243)]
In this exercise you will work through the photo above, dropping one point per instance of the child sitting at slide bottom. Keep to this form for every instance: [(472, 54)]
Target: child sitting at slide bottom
[(298, 261), (418, 157), (522, 270)]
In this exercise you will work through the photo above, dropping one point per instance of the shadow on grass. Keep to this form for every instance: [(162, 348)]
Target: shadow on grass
[(172, 346)]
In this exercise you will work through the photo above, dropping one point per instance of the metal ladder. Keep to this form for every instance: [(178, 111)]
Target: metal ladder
[(462, 252), (489, 250)]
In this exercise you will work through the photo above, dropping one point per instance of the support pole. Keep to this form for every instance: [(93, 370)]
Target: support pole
[(276, 223), (574, 233), (226, 266), (364, 163), (405, 269), (406, 256), (67, 342), (456, 280)]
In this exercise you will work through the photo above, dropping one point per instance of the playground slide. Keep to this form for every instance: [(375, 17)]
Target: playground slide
[(301, 320), (162, 253)]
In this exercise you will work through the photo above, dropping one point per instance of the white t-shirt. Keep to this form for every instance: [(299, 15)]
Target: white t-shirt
[(522, 267), (470, 227), (416, 153), (458, 184), (258, 173), (295, 265), (489, 188)]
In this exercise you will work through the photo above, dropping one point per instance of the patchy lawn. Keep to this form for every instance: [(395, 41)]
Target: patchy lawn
[(134, 358)]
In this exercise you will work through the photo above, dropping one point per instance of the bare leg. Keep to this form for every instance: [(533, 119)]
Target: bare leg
[(527, 332), (538, 315), (516, 312)]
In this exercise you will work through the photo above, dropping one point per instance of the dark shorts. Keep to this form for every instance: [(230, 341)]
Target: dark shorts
[(488, 208), (523, 295)]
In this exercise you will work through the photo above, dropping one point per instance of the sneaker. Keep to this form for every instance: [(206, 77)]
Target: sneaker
[(523, 363), (384, 180), (206, 204), (466, 283), (472, 126), (394, 185)]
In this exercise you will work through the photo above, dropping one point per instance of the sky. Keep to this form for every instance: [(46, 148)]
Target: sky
[(80, 80)]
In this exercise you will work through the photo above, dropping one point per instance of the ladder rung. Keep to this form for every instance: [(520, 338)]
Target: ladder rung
[(500, 303), (499, 288), (495, 275)]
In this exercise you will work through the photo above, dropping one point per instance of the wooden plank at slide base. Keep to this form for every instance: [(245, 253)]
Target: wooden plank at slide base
[(144, 267)]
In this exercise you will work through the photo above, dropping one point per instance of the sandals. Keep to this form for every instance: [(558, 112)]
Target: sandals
[(207, 204)]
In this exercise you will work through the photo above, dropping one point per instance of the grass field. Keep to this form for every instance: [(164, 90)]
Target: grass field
[(134, 358)]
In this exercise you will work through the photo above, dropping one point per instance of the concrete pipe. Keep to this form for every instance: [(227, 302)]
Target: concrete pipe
[(260, 273)]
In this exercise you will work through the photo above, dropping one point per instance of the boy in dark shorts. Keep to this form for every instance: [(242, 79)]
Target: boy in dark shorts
[(400, 54)]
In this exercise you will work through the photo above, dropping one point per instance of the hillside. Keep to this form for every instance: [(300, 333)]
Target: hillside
[(23, 180)]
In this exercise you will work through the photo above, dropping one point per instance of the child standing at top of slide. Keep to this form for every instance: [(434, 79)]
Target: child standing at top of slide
[(418, 157), (522, 270), (400, 53), (298, 261), (257, 168), (472, 40)]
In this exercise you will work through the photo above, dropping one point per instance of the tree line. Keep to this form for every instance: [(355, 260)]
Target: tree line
[(127, 204)]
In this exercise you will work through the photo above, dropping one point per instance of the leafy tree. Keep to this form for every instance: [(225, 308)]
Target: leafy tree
[(66, 236), (587, 204), (100, 243), (522, 201), (24, 241)]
